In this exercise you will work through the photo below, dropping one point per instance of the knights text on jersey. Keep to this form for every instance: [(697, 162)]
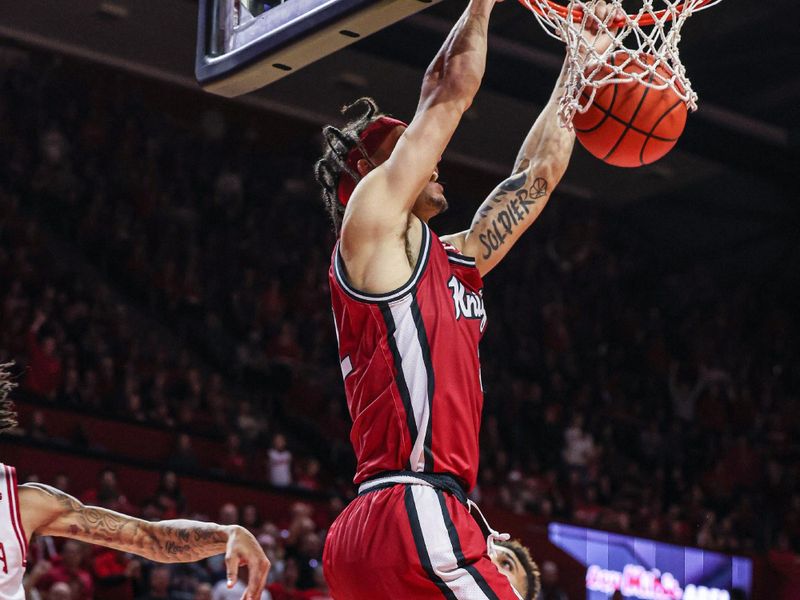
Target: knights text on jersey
[(13, 543), (411, 367)]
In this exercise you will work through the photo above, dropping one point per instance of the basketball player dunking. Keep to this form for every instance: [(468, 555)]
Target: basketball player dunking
[(40, 509), (409, 314)]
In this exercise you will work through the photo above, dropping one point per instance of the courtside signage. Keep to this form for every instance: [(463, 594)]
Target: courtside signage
[(649, 570)]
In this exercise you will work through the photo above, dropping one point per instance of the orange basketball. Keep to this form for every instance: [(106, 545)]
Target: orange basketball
[(630, 124)]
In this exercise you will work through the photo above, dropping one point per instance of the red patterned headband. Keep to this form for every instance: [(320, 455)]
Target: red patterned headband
[(370, 139)]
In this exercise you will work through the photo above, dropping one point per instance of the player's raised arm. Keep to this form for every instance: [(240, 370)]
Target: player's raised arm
[(49, 511), (541, 162), (450, 84), (518, 201), (379, 208)]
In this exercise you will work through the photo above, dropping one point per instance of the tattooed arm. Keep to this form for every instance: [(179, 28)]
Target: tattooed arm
[(48, 511), (517, 202)]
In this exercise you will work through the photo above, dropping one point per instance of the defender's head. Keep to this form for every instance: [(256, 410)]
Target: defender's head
[(360, 146), (514, 561)]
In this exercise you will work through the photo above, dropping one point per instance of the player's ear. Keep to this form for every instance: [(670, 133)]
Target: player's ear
[(364, 166)]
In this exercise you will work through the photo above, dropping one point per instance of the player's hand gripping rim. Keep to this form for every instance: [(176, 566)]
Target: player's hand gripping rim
[(244, 549), (601, 38)]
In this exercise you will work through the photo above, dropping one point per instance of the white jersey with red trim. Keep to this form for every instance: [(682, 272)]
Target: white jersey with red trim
[(13, 543), (411, 366)]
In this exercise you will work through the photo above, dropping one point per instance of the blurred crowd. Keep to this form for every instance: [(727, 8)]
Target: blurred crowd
[(621, 392), (84, 349), (70, 570)]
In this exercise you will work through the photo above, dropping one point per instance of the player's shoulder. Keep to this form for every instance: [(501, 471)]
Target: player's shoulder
[(40, 504), (401, 270), (452, 246), (35, 497), (453, 241)]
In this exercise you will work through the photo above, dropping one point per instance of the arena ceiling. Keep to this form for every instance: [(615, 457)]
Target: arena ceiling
[(739, 152)]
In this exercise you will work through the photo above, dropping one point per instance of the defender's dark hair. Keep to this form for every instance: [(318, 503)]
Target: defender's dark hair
[(338, 144), (531, 568), (8, 414)]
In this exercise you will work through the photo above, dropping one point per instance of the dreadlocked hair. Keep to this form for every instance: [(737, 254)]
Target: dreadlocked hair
[(338, 144), (8, 414), (528, 564)]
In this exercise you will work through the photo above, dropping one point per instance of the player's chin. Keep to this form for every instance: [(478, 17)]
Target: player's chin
[(439, 203), (431, 202), (436, 201)]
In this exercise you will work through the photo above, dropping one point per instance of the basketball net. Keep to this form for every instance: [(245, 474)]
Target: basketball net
[(654, 30)]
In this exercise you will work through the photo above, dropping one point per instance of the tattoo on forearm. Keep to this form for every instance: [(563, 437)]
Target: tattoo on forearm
[(168, 541), (503, 212)]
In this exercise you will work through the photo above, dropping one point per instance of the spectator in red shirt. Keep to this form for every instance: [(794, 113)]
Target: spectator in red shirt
[(309, 477), (68, 570), (784, 567), (44, 367), (234, 462), (286, 588), (113, 574)]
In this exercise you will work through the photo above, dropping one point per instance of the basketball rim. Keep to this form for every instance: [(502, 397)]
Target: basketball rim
[(643, 19)]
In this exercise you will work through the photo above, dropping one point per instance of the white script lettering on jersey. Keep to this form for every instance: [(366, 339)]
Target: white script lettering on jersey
[(467, 304)]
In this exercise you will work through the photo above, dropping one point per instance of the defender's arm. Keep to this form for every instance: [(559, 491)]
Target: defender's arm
[(48, 511)]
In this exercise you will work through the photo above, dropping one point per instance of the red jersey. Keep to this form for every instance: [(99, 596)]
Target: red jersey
[(411, 366)]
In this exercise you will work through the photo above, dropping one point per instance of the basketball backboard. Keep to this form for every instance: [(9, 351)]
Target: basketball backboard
[(243, 45)]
